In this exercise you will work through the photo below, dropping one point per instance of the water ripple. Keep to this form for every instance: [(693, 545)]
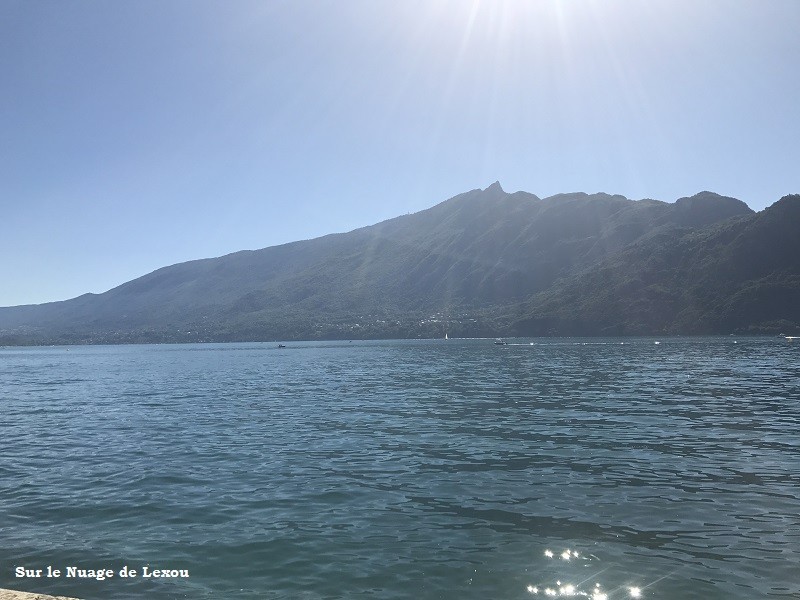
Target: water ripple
[(407, 469)]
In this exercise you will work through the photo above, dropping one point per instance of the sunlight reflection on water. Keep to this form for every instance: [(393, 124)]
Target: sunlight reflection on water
[(563, 588)]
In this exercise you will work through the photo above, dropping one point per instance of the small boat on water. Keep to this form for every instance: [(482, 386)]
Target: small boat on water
[(500, 342), (281, 346)]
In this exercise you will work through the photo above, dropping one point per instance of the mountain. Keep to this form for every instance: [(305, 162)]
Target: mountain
[(738, 275), (485, 262)]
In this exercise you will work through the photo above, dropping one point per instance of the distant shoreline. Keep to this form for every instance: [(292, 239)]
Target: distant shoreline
[(510, 339)]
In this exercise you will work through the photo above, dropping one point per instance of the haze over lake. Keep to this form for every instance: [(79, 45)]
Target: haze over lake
[(406, 469)]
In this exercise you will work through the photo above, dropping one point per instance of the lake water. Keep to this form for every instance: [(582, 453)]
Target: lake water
[(405, 469)]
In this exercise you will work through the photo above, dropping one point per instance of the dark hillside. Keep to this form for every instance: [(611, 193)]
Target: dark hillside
[(740, 275)]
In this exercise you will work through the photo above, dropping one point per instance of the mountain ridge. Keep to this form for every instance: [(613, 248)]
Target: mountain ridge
[(485, 261)]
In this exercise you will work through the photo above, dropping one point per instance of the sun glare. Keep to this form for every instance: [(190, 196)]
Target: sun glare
[(565, 589)]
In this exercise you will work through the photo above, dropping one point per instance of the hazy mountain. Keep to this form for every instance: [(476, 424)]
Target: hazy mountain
[(482, 263)]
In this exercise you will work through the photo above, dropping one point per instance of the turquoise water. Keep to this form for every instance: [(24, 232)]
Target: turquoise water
[(405, 469)]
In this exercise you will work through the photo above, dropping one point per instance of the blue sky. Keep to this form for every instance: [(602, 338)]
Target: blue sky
[(141, 134)]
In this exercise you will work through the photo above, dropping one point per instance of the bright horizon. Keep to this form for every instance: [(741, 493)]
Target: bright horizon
[(139, 135)]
